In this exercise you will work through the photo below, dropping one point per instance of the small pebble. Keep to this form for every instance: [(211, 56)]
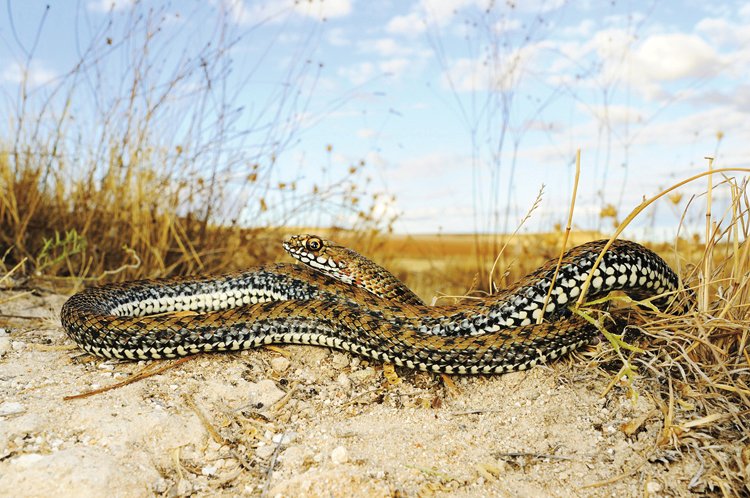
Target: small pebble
[(264, 452), (11, 408), (295, 457), (340, 361), (4, 345), (184, 488), (339, 455), (28, 460), (653, 487), (263, 394), (344, 381), (209, 470), (362, 375), (18, 345), (280, 364), (284, 438), (160, 486)]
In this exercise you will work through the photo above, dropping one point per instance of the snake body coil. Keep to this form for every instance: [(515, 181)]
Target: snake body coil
[(294, 304)]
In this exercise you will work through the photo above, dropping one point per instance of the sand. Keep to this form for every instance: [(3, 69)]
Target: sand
[(306, 421)]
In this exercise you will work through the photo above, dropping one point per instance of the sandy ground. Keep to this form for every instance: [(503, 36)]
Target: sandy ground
[(305, 421)]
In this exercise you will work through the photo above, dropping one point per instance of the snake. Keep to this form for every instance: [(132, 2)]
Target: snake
[(337, 298)]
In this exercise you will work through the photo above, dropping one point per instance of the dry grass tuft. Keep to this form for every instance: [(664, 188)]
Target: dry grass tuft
[(694, 365), (147, 166)]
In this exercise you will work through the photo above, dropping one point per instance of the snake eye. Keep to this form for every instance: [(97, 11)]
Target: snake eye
[(314, 244)]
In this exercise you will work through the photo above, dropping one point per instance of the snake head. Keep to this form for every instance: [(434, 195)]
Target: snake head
[(323, 255), (349, 267)]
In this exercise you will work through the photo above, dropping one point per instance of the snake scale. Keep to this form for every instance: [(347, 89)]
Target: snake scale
[(341, 300)]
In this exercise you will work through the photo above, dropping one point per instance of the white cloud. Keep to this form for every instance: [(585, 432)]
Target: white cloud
[(238, 12), (411, 24), (243, 12), (337, 37), (35, 75), (540, 6), (506, 25), (651, 64), (737, 97), (109, 5), (608, 44), (359, 73), (366, 133), (390, 47), (323, 9), (724, 32), (430, 165), (394, 67), (698, 126), (582, 29), (386, 47), (441, 11), (497, 74), (468, 75), (615, 115), (675, 56), (558, 153), (689, 134), (364, 72)]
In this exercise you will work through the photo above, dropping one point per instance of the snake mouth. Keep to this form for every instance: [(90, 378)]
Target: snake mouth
[(327, 265)]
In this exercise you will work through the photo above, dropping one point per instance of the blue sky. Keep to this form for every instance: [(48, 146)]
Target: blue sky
[(459, 110)]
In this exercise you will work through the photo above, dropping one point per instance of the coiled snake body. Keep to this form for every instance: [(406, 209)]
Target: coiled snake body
[(347, 302)]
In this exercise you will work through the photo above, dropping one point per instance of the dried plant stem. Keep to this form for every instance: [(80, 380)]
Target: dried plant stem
[(533, 207), (740, 259), (218, 439), (12, 270), (704, 301), (147, 371), (566, 235)]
